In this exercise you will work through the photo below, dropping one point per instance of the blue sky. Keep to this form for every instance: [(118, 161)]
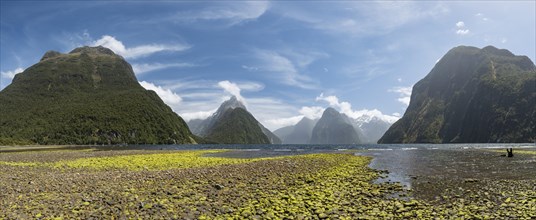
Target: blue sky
[(284, 59)]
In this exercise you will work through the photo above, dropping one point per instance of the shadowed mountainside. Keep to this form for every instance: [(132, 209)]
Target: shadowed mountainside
[(471, 95)]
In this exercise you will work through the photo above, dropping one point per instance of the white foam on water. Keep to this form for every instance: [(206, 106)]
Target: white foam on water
[(409, 148), (379, 149)]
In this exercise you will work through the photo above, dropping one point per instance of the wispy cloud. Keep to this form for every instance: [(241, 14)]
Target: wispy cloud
[(283, 68), (283, 122), (404, 94), (201, 98), (361, 18), (141, 68), (137, 51), (481, 16), (231, 13)]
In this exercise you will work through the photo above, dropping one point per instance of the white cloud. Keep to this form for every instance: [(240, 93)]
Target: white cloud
[(232, 89), (404, 94), (166, 95), (140, 68), (10, 74), (139, 51), (461, 29), (197, 115), (313, 112), (201, 98), (346, 108)]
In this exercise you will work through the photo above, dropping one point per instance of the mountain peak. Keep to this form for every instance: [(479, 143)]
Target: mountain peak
[(334, 128), (497, 52), (232, 103), (50, 54), (330, 111), (93, 50)]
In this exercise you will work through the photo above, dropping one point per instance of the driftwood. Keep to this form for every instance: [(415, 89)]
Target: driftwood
[(510, 152)]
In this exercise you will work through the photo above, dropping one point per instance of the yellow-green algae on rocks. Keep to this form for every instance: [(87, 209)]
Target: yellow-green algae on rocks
[(316, 186), (162, 161)]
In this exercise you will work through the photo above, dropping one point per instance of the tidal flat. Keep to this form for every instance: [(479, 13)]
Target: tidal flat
[(236, 184)]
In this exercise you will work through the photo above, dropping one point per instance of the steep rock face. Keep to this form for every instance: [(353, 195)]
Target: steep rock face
[(297, 134), (471, 96), (334, 128), (283, 132), (274, 139), (302, 132), (88, 96), (229, 126)]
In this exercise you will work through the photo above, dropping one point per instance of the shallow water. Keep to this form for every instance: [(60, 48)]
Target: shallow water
[(411, 166)]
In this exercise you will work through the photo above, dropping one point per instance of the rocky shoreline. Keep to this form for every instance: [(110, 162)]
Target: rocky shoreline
[(90, 184)]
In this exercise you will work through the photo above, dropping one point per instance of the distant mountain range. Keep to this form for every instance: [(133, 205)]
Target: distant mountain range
[(88, 96), (334, 128), (91, 96), (233, 124), (471, 95)]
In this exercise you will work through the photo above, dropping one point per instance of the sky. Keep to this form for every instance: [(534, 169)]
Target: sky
[(284, 59)]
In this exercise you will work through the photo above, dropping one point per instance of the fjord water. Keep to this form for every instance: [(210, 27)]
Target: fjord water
[(320, 147)]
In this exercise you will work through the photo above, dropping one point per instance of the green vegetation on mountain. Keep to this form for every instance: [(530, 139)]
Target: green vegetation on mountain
[(471, 96), (229, 126), (89, 96), (237, 126)]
